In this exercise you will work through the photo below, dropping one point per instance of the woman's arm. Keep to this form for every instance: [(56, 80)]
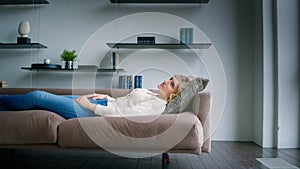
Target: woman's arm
[(84, 102), (138, 109), (140, 103), (96, 96), (150, 107)]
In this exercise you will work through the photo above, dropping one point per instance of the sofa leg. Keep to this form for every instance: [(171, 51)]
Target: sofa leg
[(11, 158), (165, 160)]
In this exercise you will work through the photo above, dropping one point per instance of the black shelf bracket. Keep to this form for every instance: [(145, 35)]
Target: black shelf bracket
[(23, 2), (104, 70), (159, 46), (160, 1), (21, 46)]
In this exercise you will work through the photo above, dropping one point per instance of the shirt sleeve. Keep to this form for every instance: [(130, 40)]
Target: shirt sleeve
[(150, 107)]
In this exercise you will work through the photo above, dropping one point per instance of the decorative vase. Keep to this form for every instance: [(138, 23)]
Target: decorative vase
[(24, 28), (47, 61), (69, 64)]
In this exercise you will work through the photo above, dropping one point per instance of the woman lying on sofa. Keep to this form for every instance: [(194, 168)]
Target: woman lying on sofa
[(137, 102)]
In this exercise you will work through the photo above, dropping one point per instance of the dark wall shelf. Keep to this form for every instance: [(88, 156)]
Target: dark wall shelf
[(23, 2), (159, 1), (75, 70), (21, 46), (160, 46)]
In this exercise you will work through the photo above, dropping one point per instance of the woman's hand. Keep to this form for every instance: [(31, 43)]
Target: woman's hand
[(84, 102), (96, 96)]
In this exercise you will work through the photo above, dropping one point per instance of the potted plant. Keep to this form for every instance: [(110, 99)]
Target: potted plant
[(69, 57)]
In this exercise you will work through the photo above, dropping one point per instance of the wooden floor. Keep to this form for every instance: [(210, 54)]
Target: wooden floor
[(224, 155)]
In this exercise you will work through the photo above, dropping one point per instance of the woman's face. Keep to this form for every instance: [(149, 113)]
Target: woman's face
[(168, 87)]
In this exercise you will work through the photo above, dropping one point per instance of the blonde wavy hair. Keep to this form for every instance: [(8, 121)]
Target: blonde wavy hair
[(172, 96), (183, 82)]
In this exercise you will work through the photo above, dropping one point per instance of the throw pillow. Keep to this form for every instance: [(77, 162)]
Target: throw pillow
[(183, 101)]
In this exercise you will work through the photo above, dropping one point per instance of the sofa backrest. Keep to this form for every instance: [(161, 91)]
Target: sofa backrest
[(62, 91)]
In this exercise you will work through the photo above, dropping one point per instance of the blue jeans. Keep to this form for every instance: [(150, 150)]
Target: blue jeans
[(64, 105)]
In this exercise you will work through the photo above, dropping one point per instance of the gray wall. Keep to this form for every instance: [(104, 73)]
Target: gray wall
[(229, 25), (288, 74), (70, 24), (276, 102)]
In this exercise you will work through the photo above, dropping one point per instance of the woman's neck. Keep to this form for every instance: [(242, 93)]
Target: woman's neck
[(159, 95), (162, 96)]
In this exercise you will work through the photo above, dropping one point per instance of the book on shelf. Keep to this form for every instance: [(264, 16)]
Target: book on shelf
[(3, 84), (186, 35), (124, 82), (138, 81)]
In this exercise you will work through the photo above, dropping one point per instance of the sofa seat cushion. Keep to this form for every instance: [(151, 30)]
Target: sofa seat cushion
[(29, 127), (153, 133)]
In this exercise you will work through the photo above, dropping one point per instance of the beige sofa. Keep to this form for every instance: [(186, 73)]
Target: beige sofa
[(176, 133)]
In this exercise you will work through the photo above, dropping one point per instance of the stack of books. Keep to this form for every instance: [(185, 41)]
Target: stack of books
[(186, 35), (3, 84), (126, 81)]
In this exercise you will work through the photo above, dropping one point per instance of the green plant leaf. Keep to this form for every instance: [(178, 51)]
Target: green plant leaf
[(68, 55)]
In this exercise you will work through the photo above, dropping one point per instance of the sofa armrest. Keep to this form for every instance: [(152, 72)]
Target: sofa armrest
[(29, 127), (201, 107)]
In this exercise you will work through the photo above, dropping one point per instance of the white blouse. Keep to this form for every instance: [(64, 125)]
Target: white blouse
[(138, 102)]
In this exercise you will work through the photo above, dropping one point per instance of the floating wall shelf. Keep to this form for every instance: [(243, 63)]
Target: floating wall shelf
[(21, 46), (159, 1), (23, 2), (74, 70), (160, 46)]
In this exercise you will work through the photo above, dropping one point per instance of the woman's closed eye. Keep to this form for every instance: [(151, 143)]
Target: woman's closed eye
[(172, 84)]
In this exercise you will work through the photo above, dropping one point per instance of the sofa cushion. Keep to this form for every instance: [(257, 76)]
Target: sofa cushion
[(29, 127), (161, 133)]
